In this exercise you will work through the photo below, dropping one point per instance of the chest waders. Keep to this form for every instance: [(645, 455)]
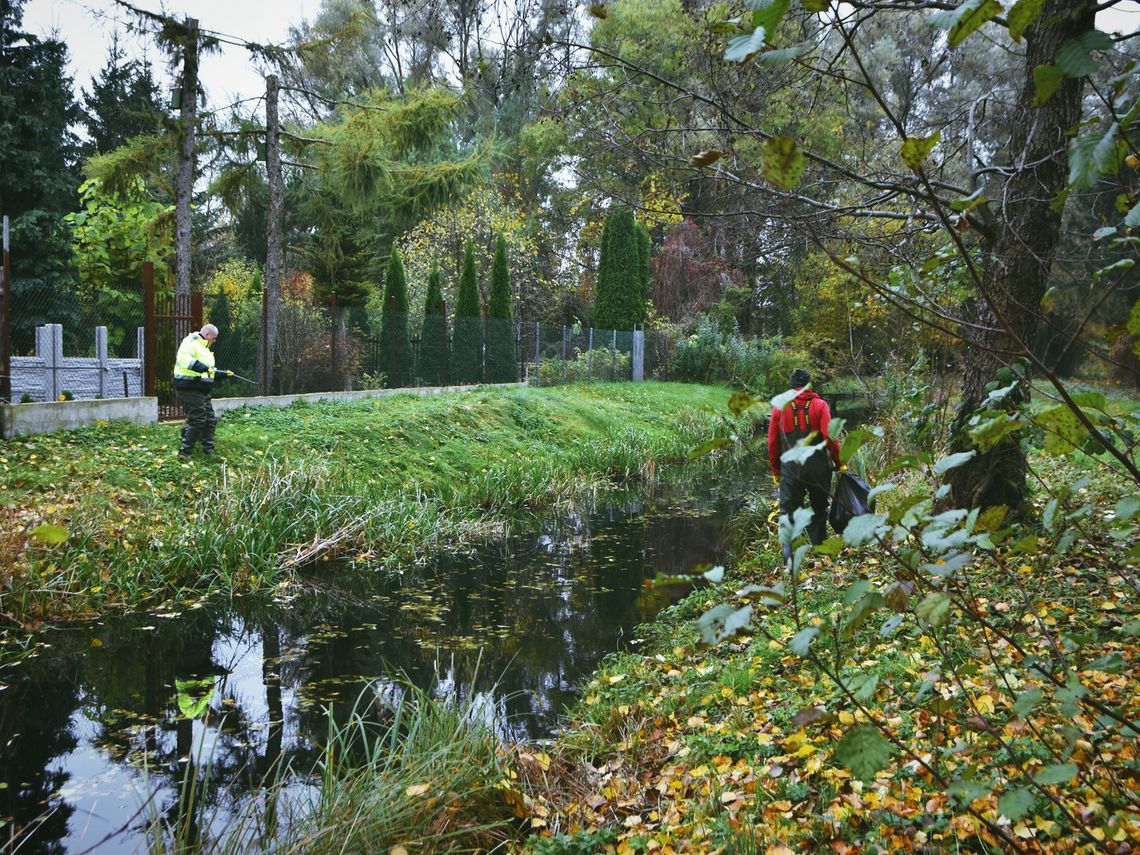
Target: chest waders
[(810, 479)]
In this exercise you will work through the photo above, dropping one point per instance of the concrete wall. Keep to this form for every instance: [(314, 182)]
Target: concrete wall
[(24, 419), (221, 405), (49, 373)]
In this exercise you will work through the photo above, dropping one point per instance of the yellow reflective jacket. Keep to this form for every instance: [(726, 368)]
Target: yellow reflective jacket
[(194, 364)]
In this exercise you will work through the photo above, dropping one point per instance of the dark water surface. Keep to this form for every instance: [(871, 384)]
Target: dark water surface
[(93, 743)]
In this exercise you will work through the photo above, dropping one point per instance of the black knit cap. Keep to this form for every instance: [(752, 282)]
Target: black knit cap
[(800, 377)]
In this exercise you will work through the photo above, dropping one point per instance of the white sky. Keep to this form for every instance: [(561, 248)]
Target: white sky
[(87, 25)]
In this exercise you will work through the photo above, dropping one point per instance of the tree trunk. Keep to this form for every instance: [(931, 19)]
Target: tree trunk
[(273, 257), (184, 189), (1014, 275)]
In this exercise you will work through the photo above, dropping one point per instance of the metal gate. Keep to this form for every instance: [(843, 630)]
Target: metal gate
[(169, 319)]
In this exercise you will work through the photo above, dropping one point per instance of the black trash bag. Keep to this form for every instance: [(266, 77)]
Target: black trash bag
[(852, 498)]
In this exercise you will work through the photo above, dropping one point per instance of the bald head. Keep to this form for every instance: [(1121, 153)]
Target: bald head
[(209, 332)]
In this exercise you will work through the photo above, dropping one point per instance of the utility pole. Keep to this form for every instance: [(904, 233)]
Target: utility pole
[(273, 258), (184, 189)]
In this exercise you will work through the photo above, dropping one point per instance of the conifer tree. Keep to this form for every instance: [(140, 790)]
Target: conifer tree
[(467, 342), (395, 345), (502, 365), (433, 341), (123, 102), (619, 302), (643, 249)]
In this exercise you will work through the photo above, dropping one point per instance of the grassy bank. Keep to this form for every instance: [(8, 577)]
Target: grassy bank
[(935, 708), (383, 480)]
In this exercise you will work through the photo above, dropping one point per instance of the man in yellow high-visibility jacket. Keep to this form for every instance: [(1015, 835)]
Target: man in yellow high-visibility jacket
[(194, 375)]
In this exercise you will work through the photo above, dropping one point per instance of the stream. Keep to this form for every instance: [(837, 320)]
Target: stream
[(96, 728)]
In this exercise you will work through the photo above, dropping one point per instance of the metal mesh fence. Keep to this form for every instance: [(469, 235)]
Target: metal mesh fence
[(88, 346), (67, 344)]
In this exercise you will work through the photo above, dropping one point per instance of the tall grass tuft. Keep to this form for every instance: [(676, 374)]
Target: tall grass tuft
[(430, 778)]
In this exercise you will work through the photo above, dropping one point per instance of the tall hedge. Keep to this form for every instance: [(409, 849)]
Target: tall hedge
[(467, 342), (433, 342), (395, 344), (619, 302), (643, 247), (502, 364)]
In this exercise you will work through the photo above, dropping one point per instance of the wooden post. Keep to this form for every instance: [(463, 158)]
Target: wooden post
[(274, 256), (335, 330), (264, 377), (149, 389), (5, 336)]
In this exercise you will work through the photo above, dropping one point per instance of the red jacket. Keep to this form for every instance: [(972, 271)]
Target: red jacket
[(818, 418)]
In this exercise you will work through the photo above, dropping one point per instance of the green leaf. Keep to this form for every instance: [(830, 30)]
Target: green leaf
[(52, 535), (714, 444), (193, 696), (852, 443), (1113, 663), (863, 750), (934, 608), (1074, 58), (741, 48), (965, 792), (784, 398), (988, 433), (952, 461), (863, 686), (864, 608), (1127, 507), (964, 20), (715, 575), (768, 596), (801, 641), (792, 527), (723, 621), (1014, 804), (783, 162), (1022, 16), (816, 6), (1046, 81), (1025, 702), (916, 149), (1063, 433), (801, 452), (863, 529), (830, 547), (855, 591), (768, 13), (740, 402), (783, 55), (965, 204), (1133, 218), (1058, 773)]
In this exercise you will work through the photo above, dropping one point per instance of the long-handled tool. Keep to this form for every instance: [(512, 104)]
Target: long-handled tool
[(239, 377)]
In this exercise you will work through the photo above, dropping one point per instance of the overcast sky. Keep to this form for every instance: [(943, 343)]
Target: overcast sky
[(87, 25)]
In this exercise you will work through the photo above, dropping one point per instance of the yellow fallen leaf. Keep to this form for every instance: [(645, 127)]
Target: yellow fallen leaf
[(417, 789), (397, 850), (616, 678)]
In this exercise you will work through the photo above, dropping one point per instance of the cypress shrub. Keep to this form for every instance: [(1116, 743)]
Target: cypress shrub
[(502, 364), (643, 247), (619, 303), (467, 341), (433, 341), (395, 345)]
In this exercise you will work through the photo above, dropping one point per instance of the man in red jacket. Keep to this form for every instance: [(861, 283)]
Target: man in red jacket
[(807, 417)]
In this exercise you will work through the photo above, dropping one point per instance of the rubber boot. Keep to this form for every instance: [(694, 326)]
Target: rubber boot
[(188, 438), (208, 439)]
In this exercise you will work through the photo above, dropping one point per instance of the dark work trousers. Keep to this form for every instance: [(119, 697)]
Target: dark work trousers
[(200, 421), (813, 479)]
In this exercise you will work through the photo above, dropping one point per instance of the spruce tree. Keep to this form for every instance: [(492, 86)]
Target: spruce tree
[(395, 345), (433, 342), (39, 155), (123, 103), (619, 303), (502, 365), (467, 342)]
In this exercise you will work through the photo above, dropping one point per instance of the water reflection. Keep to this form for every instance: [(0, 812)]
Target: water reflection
[(94, 747)]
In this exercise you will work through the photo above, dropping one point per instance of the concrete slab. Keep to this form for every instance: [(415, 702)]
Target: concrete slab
[(26, 419)]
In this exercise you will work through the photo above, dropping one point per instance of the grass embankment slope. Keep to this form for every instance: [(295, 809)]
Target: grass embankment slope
[(995, 708), (385, 479)]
